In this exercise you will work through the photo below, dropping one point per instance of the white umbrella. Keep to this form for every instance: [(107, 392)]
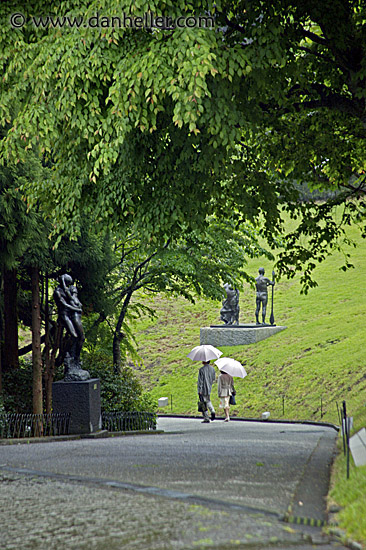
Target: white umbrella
[(204, 353), (231, 366)]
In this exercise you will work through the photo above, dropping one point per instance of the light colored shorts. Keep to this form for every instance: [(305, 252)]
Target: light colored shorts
[(225, 402)]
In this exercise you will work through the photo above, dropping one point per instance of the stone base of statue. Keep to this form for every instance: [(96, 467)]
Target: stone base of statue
[(82, 400), (237, 335), (73, 371)]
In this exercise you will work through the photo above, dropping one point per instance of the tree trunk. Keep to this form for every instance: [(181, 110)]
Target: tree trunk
[(36, 344), (117, 363), (55, 348), (10, 357), (48, 371), (118, 336)]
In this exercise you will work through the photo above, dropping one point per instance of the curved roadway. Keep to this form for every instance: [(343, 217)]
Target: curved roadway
[(218, 485)]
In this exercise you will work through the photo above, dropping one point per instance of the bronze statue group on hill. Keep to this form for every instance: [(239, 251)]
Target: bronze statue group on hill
[(229, 312)]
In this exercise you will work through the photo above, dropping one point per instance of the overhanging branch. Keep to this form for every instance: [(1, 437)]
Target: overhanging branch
[(313, 37)]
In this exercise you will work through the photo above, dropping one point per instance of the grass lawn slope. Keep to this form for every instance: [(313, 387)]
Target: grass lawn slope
[(303, 372)]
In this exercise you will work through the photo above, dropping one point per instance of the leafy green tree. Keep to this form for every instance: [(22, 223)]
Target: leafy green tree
[(194, 120), (26, 248), (196, 264), (19, 230)]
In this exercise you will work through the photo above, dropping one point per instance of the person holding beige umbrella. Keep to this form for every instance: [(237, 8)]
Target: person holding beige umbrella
[(225, 383)]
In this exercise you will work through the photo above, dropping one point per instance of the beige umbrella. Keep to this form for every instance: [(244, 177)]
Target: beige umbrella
[(231, 366), (205, 352)]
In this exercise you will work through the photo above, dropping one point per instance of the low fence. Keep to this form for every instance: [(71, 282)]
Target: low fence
[(16, 425), (280, 406), (118, 421)]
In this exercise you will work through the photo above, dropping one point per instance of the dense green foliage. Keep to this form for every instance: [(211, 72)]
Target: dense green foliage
[(160, 128), (122, 392), (193, 264), (17, 392), (118, 393), (18, 230)]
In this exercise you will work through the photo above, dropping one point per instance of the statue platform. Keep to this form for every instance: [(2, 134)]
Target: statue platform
[(82, 400), (237, 335)]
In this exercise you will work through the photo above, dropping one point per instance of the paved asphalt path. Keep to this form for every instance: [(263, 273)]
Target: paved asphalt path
[(218, 486)]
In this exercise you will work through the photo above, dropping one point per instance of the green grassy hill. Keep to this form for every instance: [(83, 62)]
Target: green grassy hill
[(300, 373)]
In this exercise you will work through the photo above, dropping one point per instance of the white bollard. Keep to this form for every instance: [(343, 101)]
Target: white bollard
[(163, 401), (266, 415)]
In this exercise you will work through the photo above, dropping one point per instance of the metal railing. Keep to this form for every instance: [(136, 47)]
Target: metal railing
[(118, 421), (16, 425)]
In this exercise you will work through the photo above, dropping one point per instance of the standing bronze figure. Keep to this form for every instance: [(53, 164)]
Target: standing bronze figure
[(261, 283), (69, 316)]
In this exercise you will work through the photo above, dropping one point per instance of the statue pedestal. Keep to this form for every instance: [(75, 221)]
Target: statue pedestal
[(237, 335), (82, 400)]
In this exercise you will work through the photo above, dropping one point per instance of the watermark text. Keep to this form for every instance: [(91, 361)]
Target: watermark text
[(147, 21)]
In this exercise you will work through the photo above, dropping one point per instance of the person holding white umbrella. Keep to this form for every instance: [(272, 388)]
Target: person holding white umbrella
[(225, 384), (206, 377)]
